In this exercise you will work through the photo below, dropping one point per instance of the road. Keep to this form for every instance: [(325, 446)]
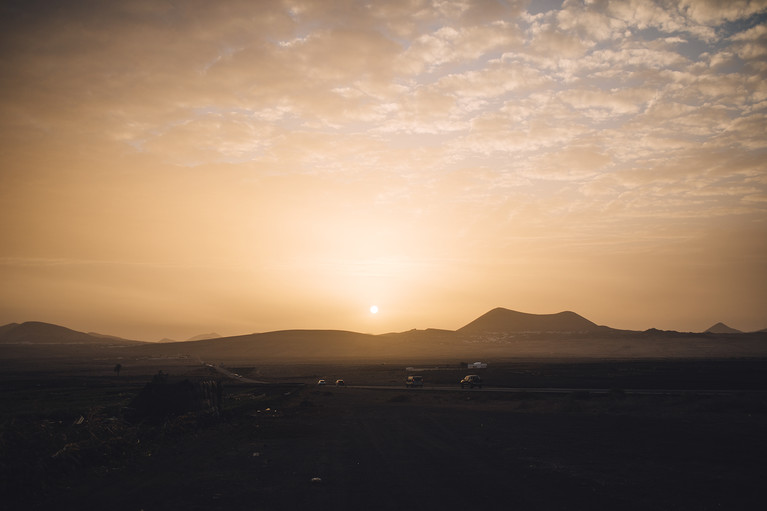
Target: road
[(530, 390), (554, 390)]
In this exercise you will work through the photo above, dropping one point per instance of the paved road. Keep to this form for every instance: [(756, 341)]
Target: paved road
[(540, 390), (553, 390)]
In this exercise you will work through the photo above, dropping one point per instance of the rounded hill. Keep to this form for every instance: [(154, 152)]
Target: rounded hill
[(505, 320)]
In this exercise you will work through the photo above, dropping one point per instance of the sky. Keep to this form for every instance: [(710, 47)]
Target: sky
[(182, 167)]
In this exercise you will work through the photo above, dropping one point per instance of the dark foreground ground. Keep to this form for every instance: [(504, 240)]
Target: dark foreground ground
[(66, 442)]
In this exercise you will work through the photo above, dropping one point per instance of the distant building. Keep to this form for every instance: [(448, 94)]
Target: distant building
[(477, 365)]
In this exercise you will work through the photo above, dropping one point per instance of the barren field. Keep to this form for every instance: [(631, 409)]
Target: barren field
[(68, 441)]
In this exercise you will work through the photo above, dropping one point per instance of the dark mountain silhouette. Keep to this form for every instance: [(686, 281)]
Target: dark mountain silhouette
[(721, 328), (36, 332), (505, 320), (500, 333)]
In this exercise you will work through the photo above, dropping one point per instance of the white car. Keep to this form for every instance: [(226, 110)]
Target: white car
[(321, 382)]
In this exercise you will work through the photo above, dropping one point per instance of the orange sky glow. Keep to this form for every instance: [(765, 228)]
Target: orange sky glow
[(181, 167)]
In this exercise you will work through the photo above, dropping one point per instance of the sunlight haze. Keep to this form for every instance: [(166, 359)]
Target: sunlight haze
[(174, 168)]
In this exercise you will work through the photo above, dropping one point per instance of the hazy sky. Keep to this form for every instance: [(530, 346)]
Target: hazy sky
[(177, 167)]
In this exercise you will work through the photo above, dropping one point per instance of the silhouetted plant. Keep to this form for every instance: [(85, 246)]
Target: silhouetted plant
[(161, 399)]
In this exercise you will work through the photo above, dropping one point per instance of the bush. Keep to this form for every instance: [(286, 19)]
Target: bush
[(160, 399)]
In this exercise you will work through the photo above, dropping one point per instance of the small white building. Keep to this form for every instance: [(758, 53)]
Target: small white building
[(477, 365)]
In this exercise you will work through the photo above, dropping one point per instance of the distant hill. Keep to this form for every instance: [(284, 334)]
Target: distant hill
[(36, 332), (721, 328), (278, 345), (204, 337), (505, 320)]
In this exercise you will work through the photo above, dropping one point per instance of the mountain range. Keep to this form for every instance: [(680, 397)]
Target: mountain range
[(497, 333)]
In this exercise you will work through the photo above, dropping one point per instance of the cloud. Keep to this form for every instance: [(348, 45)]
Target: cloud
[(496, 79), (575, 162), (715, 12), (448, 44), (589, 24), (615, 102)]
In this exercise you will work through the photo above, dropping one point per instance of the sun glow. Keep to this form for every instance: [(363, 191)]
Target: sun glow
[(374, 309)]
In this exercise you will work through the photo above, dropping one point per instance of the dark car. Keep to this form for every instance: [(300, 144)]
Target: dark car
[(414, 381), (340, 383), (471, 381)]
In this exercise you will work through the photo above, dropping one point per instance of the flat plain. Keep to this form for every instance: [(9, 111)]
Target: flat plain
[(68, 439)]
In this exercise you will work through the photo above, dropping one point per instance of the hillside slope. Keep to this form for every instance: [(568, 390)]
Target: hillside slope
[(36, 332)]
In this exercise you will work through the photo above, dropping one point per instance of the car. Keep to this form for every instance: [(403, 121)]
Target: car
[(340, 383), (414, 381), (471, 381), (321, 382)]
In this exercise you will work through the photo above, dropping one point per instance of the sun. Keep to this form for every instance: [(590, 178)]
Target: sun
[(374, 309)]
